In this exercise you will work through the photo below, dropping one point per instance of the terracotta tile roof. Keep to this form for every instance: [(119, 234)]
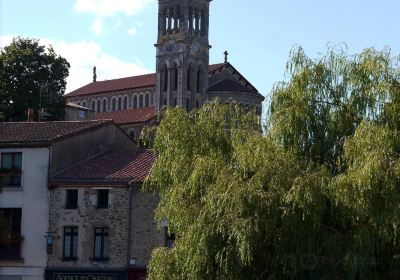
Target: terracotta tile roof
[(134, 82), (43, 132), (113, 167), (128, 116), (142, 81)]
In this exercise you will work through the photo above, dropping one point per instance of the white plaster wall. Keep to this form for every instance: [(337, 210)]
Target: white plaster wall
[(33, 198)]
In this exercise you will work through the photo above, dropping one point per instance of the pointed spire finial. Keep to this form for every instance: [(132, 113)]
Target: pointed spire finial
[(226, 56), (94, 74)]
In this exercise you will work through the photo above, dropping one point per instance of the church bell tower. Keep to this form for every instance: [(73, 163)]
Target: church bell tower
[(182, 53)]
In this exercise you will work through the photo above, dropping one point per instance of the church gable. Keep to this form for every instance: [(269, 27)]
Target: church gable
[(227, 75)]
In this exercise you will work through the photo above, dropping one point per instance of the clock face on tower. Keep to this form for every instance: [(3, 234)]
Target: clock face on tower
[(169, 46), (195, 48)]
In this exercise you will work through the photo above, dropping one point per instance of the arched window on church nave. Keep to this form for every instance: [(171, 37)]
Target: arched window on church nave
[(78, 103), (84, 104), (93, 105), (199, 82), (125, 102), (114, 104), (98, 106), (119, 103), (147, 101), (141, 101), (134, 102), (104, 105)]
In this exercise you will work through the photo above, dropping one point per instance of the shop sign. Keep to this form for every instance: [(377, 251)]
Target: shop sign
[(85, 276)]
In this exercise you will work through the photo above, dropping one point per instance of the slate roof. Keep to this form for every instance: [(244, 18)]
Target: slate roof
[(128, 116), (230, 85), (134, 82), (110, 168), (43, 132)]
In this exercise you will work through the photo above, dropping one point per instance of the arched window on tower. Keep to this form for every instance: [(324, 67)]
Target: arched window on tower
[(187, 104), (199, 82), (134, 102), (177, 18), (196, 20), (190, 23), (125, 102), (165, 22), (202, 24), (174, 77), (164, 77), (189, 78)]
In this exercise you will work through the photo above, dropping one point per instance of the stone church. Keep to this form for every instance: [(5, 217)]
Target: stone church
[(183, 75)]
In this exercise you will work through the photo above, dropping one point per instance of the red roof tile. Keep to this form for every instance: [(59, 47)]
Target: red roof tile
[(42, 132), (128, 116), (142, 81), (134, 82), (113, 167)]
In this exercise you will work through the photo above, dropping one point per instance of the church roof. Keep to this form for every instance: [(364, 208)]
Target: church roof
[(128, 116), (134, 82), (230, 85)]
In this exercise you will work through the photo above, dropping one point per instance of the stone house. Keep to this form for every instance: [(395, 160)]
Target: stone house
[(103, 224)]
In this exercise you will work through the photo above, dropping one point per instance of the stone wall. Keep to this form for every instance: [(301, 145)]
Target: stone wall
[(87, 217), (146, 235)]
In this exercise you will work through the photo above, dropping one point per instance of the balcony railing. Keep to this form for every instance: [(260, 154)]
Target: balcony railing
[(11, 250)]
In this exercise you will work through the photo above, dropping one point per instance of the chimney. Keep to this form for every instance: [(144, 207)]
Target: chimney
[(31, 115), (94, 74)]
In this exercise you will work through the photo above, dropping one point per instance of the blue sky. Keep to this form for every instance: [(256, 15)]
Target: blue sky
[(118, 36)]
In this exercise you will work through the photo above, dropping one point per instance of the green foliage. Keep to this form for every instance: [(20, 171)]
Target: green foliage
[(316, 197), (28, 70)]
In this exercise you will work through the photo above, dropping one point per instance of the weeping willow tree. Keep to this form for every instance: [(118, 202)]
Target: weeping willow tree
[(315, 197)]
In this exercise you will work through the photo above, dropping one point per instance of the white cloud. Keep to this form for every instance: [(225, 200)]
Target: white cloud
[(97, 26), (82, 56), (132, 31), (105, 8), (102, 9)]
